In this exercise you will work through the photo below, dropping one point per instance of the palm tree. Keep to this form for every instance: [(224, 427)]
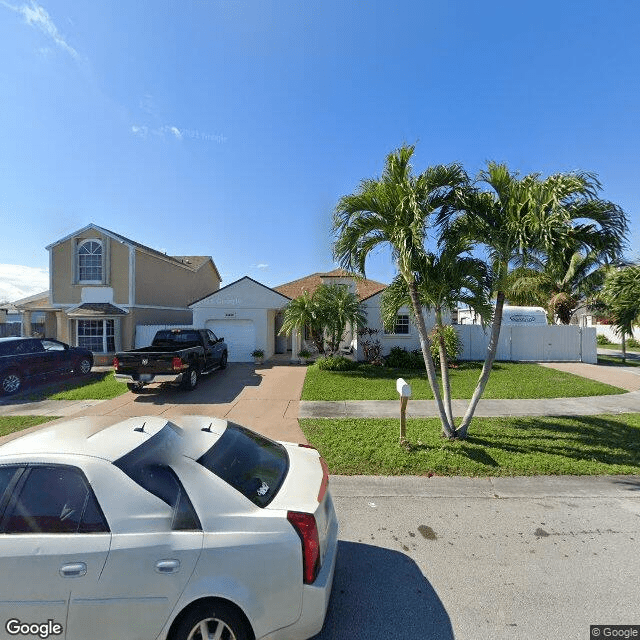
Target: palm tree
[(443, 280), (339, 309), (621, 298), (515, 219), (302, 312), (561, 284), (326, 314), (393, 210)]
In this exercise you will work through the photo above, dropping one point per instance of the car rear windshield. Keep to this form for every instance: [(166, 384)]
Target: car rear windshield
[(179, 339), (252, 464)]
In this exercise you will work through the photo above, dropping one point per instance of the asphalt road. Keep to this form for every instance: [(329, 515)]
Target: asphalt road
[(475, 559)]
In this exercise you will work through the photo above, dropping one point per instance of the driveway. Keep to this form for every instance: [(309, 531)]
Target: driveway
[(264, 398)]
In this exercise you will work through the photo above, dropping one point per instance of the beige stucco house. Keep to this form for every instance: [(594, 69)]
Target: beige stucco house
[(103, 284)]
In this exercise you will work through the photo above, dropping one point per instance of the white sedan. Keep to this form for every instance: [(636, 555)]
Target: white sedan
[(150, 530)]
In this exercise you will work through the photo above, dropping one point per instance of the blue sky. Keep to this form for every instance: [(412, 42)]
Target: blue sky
[(230, 128)]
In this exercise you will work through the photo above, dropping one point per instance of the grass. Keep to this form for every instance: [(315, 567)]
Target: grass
[(11, 424), (95, 386), (618, 347), (616, 361), (507, 380), (589, 445)]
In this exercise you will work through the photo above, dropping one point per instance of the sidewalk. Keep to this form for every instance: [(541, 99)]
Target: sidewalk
[(624, 377)]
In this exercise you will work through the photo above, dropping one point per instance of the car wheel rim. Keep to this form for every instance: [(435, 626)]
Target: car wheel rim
[(194, 378), (210, 629), (85, 366), (11, 383)]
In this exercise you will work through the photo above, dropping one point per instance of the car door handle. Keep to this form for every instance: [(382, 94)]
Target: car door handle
[(168, 566), (74, 570)]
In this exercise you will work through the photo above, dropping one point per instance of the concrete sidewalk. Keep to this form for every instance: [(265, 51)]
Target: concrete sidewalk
[(624, 377)]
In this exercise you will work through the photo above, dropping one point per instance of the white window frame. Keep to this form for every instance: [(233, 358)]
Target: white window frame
[(102, 261), (104, 336), (397, 323)]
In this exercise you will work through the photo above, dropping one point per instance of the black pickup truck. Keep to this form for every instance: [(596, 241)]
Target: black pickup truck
[(177, 356)]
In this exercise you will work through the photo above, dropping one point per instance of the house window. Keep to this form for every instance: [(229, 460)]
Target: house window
[(90, 261), (401, 326), (97, 335)]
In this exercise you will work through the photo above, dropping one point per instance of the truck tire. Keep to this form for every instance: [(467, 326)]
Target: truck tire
[(191, 380), (135, 387)]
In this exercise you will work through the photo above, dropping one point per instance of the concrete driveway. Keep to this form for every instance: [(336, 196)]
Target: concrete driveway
[(264, 398)]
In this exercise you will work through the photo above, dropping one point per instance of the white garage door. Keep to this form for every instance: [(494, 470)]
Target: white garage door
[(240, 336)]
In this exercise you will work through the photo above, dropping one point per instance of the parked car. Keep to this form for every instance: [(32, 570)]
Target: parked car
[(176, 356), (24, 359), (155, 530)]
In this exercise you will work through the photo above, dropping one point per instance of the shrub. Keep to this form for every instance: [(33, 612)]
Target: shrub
[(400, 358), (602, 339), (371, 347), (336, 363), (633, 343), (452, 343)]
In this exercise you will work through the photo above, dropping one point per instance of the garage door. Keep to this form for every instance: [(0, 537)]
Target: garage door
[(240, 336)]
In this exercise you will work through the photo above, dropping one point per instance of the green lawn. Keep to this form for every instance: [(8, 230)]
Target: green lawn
[(590, 445), (95, 386), (10, 424), (615, 361), (508, 380), (618, 347)]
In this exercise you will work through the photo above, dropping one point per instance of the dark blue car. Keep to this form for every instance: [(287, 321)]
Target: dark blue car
[(28, 359)]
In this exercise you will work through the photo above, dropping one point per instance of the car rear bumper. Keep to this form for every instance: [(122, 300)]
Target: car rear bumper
[(315, 597), (148, 378)]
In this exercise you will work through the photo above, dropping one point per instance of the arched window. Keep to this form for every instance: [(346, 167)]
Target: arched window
[(90, 261)]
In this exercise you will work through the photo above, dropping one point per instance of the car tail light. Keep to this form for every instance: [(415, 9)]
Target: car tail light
[(177, 364), (116, 363), (306, 528)]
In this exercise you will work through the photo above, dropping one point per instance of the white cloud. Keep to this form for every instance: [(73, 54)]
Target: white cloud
[(176, 132), (17, 281), (140, 130), (37, 16), (262, 265)]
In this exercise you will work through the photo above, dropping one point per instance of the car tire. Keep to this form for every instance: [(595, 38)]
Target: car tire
[(220, 620), (191, 380), (83, 367), (134, 387), (10, 382), (223, 361)]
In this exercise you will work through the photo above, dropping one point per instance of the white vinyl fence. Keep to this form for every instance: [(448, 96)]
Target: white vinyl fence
[(145, 333), (612, 335), (552, 343)]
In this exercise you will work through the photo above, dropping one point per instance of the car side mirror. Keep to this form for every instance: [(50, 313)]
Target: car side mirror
[(220, 339)]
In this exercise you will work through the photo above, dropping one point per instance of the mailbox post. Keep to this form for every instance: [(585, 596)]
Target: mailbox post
[(404, 390)]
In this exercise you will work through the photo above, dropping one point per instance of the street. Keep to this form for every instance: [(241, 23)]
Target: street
[(444, 558)]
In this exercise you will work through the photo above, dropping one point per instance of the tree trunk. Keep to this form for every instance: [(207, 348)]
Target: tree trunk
[(444, 370), (624, 348), (486, 368), (447, 427)]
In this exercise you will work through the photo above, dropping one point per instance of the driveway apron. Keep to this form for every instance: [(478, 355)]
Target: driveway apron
[(264, 398)]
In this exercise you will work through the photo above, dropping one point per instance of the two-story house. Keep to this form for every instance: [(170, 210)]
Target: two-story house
[(103, 284)]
